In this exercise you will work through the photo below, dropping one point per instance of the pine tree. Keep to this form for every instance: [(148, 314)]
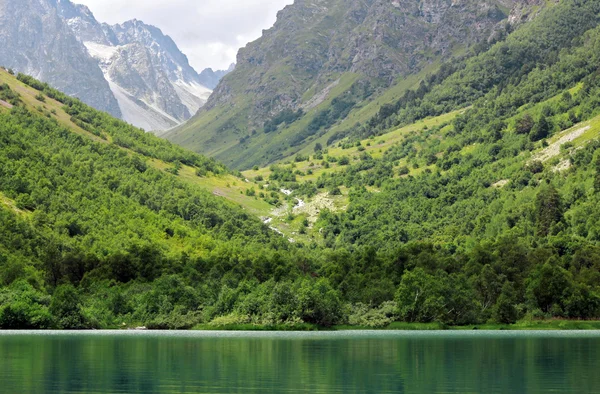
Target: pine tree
[(549, 210)]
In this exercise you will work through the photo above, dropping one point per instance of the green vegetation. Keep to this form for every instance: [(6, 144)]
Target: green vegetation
[(320, 73), (483, 212)]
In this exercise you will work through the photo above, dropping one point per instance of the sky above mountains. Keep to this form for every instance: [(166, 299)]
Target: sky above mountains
[(209, 32)]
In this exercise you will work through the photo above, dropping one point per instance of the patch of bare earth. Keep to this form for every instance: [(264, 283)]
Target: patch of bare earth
[(553, 149), (314, 207), (501, 184)]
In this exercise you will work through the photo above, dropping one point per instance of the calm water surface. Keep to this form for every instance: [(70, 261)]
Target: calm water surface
[(347, 362)]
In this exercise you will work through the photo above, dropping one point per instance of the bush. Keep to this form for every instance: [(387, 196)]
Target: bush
[(344, 161), (319, 303), (24, 307), (66, 308), (363, 316)]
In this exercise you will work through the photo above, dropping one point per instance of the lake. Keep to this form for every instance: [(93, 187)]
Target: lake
[(323, 362)]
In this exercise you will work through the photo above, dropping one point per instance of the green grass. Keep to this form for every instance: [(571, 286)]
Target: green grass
[(378, 146), (537, 325)]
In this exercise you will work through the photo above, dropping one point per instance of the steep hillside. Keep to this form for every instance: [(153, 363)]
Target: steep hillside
[(88, 200), (321, 60), (494, 205)]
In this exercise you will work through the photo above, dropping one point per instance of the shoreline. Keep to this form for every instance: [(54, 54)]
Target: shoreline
[(535, 325)]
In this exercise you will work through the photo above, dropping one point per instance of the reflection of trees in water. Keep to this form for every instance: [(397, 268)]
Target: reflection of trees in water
[(399, 363)]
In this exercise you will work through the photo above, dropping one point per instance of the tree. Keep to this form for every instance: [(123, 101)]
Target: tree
[(548, 209), (24, 307), (505, 310), (524, 124), (318, 147), (319, 303), (488, 285), (541, 129), (66, 308), (597, 175), (547, 286), (419, 297)]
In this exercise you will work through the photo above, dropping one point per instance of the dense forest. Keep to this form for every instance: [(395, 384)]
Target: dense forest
[(486, 217)]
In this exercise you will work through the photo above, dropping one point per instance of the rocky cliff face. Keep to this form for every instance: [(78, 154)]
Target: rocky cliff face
[(131, 70), (36, 41), (314, 44), (377, 38), (152, 80)]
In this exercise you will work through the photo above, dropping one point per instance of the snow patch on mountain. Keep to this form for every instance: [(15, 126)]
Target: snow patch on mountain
[(138, 113), (193, 95), (101, 52), (150, 110), (153, 83)]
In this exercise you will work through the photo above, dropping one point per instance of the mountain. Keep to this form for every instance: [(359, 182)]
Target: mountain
[(85, 195), (131, 70), (211, 79), (150, 77), (319, 51), (35, 40)]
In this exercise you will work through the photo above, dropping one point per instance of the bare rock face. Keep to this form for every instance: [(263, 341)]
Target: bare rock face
[(380, 39), (36, 41), (525, 10), (152, 80)]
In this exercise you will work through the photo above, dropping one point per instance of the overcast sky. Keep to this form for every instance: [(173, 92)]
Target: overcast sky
[(209, 32)]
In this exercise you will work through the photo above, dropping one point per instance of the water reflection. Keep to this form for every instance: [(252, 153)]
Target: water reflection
[(297, 363)]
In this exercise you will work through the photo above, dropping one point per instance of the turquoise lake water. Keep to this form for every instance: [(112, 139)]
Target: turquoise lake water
[(340, 362)]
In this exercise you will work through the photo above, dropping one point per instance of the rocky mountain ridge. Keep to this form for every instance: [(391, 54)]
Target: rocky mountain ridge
[(152, 80), (37, 41), (131, 70), (319, 49)]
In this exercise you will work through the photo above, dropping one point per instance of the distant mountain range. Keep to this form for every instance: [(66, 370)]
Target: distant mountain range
[(130, 70)]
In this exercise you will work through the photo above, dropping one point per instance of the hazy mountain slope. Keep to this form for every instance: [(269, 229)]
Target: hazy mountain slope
[(211, 78), (35, 40), (318, 50)]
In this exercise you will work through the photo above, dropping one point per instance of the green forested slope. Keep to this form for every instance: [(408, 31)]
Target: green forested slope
[(322, 63), (488, 212), (80, 210)]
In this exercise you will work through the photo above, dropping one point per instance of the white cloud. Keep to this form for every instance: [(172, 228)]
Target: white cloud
[(209, 32)]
